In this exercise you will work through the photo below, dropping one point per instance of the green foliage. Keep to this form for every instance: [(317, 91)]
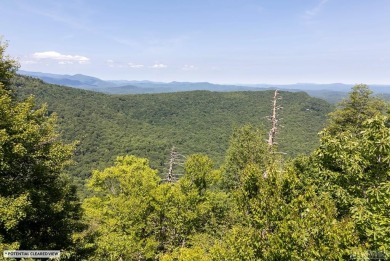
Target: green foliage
[(352, 164), (247, 145), (239, 243), (359, 168), (13, 210), (331, 205), (31, 160), (147, 218), (275, 216), (371, 215), (121, 211), (197, 169), (8, 66), (360, 160), (354, 110), (282, 215), (38, 204), (149, 125), (309, 230)]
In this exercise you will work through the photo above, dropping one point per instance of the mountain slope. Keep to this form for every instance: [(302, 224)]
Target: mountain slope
[(148, 125)]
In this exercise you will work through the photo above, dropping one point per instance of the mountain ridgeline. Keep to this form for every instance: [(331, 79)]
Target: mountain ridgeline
[(148, 125), (332, 93), (237, 196)]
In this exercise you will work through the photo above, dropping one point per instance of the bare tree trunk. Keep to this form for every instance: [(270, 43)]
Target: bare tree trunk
[(172, 159), (175, 160), (274, 120)]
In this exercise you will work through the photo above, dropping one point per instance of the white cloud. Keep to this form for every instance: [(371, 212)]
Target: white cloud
[(132, 65), (158, 66), (61, 58), (189, 67)]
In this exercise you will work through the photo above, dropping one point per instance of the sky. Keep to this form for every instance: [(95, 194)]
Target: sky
[(219, 41)]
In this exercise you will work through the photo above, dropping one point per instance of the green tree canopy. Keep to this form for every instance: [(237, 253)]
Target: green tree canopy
[(352, 164), (8, 66), (121, 210), (358, 107), (38, 204)]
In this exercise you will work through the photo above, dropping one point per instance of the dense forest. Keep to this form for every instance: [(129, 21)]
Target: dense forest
[(148, 125), (251, 203)]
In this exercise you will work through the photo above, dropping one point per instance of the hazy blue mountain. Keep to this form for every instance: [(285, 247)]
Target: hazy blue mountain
[(131, 87), (78, 80), (320, 90), (126, 89), (127, 82), (339, 87), (333, 92), (328, 95), (155, 87)]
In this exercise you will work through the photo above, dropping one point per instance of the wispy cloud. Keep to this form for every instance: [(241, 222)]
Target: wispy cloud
[(311, 13), (60, 58), (135, 66), (189, 67), (158, 66), (72, 13)]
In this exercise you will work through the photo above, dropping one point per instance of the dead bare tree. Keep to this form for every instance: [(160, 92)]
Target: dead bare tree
[(274, 128), (175, 160), (274, 120)]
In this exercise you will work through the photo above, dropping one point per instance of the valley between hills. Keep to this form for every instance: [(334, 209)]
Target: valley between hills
[(148, 125)]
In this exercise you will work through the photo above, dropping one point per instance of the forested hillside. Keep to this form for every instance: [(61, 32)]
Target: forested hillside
[(149, 125), (331, 204)]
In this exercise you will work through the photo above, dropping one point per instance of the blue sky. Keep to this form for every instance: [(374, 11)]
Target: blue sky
[(220, 41)]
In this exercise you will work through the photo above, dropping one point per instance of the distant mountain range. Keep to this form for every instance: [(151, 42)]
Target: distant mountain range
[(131, 87), (331, 92)]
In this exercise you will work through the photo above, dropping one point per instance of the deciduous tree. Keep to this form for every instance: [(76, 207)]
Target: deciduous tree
[(39, 208)]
